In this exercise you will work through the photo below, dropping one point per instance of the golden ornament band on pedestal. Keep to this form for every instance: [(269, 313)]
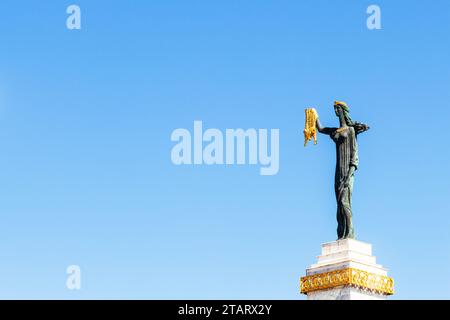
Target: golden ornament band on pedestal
[(348, 277)]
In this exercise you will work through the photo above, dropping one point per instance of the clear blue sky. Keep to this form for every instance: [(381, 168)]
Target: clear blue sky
[(85, 124)]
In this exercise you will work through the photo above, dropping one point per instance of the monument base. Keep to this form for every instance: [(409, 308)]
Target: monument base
[(346, 270)]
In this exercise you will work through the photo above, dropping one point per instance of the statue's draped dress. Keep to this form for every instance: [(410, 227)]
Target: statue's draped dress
[(346, 156)]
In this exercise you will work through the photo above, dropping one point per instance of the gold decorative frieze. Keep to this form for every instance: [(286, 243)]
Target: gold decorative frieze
[(348, 277)]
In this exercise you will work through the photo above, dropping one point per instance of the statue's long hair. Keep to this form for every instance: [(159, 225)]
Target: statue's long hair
[(348, 119)]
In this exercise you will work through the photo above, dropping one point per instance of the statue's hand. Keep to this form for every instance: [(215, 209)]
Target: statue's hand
[(315, 112)]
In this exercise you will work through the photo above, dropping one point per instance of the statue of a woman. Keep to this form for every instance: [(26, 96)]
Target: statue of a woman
[(346, 165)]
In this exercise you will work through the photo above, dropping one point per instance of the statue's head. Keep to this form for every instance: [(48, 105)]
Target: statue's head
[(337, 110), (342, 109)]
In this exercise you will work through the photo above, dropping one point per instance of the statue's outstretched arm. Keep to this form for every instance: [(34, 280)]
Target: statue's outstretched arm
[(324, 130)]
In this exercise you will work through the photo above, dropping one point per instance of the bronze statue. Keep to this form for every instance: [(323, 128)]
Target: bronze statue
[(346, 160)]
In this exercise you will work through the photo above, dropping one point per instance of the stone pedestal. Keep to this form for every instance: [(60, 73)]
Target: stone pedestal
[(346, 270)]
